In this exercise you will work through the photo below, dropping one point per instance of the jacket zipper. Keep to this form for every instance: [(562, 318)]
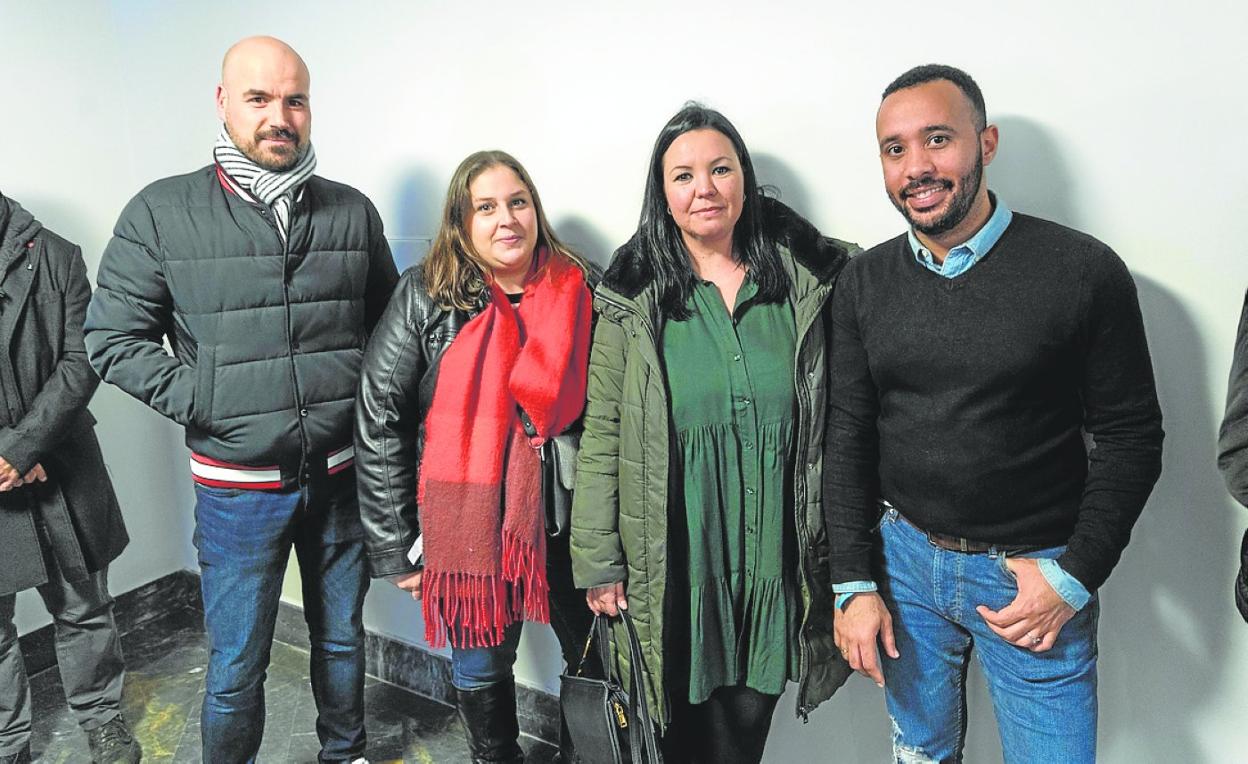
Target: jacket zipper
[(799, 511), (302, 475)]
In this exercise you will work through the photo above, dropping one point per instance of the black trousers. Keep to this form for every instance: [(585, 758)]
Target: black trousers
[(729, 728)]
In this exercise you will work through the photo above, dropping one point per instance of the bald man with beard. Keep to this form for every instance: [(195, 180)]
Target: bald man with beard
[(266, 280)]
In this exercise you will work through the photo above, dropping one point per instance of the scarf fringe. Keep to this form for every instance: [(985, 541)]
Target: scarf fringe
[(473, 605), (474, 610), (525, 569)]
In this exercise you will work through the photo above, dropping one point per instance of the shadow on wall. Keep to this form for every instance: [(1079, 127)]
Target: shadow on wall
[(584, 239), (783, 184), (1167, 608)]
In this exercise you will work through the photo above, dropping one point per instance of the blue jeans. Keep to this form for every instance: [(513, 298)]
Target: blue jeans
[(473, 668), (1045, 703), (244, 540)]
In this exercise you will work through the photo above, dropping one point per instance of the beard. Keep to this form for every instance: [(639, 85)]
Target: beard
[(958, 207), (276, 159)]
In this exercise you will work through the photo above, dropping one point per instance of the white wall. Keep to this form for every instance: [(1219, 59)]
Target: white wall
[(1119, 118)]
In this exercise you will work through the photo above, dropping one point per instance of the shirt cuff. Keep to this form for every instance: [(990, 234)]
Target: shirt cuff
[(844, 591), (1066, 585)]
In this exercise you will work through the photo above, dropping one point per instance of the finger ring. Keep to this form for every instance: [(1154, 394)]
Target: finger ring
[(1036, 640)]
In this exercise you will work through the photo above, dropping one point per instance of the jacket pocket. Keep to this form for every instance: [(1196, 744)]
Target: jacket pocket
[(205, 383)]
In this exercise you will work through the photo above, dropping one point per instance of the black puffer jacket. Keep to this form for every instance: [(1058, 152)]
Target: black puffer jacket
[(396, 389), (267, 336), (45, 384)]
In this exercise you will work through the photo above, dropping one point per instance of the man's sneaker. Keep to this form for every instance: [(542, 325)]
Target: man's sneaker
[(113, 743), (21, 757)]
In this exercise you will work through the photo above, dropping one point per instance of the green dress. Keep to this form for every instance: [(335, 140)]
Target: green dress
[(733, 409)]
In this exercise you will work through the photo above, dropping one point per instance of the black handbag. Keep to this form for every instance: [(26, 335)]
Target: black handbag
[(607, 724), (558, 476)]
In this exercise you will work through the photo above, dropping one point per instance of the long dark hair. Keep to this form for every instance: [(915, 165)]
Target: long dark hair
[(660, 239)]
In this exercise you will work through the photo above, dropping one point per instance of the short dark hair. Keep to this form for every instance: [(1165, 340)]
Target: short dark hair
[(920, 75), (661, 241)]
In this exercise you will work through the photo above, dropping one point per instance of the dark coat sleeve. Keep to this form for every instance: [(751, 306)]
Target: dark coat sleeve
[(129, 316), (1233, 436), (387, 425), (65, 394)]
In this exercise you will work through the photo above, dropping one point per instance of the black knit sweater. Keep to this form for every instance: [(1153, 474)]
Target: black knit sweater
[(961, 401)]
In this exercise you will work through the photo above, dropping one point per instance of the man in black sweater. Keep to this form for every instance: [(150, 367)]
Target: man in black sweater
[(968, 356)]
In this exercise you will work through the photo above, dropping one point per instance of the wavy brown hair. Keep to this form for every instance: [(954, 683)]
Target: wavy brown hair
[(454, 274)]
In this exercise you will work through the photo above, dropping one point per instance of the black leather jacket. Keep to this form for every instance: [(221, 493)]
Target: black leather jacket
[(397, 381)]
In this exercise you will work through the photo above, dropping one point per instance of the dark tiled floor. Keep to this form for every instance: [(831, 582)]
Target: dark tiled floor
[(165, 684)]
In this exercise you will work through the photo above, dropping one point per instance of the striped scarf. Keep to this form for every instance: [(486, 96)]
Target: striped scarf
[(275, 190)]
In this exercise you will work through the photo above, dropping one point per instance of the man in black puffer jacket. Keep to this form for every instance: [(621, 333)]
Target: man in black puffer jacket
[(266, 281)]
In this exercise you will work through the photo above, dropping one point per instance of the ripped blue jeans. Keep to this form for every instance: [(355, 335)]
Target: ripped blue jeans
[(1045, 703)]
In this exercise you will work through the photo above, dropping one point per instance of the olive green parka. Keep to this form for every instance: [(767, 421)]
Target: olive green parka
[(624, 470)]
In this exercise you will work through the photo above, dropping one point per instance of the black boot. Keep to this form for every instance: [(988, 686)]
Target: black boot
[(489, 719)]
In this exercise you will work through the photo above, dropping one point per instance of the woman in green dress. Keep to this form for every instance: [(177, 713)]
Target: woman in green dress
[(697, 501)]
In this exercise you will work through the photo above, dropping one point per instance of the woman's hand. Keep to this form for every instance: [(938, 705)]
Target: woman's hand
[(607, 600), (408, 582)]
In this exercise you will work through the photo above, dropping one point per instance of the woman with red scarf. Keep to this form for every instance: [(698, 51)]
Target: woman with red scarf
[(491, 329)]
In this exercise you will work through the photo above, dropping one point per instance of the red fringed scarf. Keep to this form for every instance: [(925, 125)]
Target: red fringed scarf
[(480, 476)]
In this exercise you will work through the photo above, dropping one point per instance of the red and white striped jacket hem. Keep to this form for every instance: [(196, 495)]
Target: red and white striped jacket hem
[(219, 474)]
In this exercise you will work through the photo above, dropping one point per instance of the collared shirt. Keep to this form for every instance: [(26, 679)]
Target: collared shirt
[(959, 260), (962, 257)]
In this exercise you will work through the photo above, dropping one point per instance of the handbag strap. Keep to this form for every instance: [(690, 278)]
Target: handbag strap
[(600, 636), (642, 740), (643, 743)]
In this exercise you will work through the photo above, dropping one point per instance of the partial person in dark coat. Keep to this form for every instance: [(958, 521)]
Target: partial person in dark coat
[(60, 526), (1233, 446)]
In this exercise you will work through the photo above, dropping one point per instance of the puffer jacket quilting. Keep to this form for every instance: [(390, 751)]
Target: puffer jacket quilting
[(267, 335)]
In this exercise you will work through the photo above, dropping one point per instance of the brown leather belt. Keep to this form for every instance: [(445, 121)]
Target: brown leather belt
[(965, 545)]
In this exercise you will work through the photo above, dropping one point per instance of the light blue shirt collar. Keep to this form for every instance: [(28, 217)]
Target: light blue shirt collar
[(962, 257)]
